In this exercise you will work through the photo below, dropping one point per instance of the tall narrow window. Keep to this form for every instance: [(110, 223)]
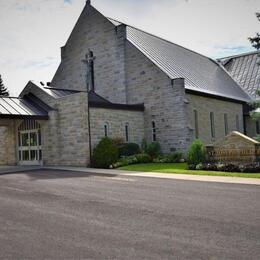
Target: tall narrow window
[(153, 131), (237, 123), (196, 124), (257, 127), (106, 129), (212, 125), (127, 132), (226, 123)]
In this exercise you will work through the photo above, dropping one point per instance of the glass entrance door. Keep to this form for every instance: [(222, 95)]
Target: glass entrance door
[(29, 147)]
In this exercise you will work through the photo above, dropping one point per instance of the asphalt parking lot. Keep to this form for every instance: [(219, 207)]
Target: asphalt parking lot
[(49, 214)]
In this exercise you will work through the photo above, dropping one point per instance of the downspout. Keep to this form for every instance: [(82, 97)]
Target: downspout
[(89, 136)]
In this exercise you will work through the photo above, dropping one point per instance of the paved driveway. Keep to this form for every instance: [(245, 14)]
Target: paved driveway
[(58, 215)]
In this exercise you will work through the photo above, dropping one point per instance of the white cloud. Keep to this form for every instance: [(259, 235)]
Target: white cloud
[(32, 31)]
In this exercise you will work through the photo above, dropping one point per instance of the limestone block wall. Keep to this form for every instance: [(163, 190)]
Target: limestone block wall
[(8, 141), (93, 31), (204, 106), (164, 101), (65, 134), (116, 121), (251, 126)]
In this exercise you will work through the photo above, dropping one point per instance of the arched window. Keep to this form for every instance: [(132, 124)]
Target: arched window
[(196, 123), (212, 125), (226, 123), (153, 131), (127, 132), (106, 129)]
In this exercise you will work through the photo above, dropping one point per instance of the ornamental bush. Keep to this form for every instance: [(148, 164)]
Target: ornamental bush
[(143, 158), (105, 153), (174, 157), (129, 149), (153, 149), (196, 153)]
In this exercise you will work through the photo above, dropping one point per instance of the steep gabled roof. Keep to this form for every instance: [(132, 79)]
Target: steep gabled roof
[(201, 73), (245, 70)]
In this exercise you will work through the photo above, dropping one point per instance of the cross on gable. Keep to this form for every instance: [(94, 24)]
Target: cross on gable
[(89, 61), (89, 57)]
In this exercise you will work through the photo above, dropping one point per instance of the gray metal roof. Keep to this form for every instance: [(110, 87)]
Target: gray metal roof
[(244, 69), (59, 93), (11, 107), (201, 73)]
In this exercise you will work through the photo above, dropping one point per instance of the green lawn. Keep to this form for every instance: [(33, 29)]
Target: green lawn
[(181, 168)]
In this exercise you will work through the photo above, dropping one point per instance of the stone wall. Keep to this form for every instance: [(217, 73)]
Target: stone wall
[(164, 100), (116, 120), (8, 141), (204, 106), (65, 134), (93, 31), (251, 128)]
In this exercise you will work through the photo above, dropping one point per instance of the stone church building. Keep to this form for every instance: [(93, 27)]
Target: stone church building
[(118, 81)]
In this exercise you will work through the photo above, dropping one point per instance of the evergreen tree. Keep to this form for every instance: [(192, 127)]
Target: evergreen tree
[(3, 90), (255, 41)]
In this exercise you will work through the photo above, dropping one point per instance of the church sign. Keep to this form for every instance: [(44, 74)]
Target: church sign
[(234, 148)]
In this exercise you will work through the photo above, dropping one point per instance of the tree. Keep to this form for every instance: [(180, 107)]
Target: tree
[(3, 90), (255, 41)]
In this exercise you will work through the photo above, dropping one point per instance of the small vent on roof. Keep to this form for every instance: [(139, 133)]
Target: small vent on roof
[(42, 83), (48, 84)]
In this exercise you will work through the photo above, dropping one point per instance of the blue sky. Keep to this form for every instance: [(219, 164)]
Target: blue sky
[(32, 31)]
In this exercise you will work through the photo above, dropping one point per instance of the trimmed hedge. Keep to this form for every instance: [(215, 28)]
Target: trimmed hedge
[(129, 149), (105, 153)]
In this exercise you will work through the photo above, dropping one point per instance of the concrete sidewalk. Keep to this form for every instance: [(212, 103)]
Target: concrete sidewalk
[(223, 179)]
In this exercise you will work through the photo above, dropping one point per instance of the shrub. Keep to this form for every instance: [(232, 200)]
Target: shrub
[(250, 168), (129, 149), (118, 141), (144, 145), (199, 167), (105, 153), (143, 158), (153, 149), (174, 157), (196, 153), (161, 159)]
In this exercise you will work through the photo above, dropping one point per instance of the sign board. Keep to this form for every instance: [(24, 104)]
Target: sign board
[(234, 148)]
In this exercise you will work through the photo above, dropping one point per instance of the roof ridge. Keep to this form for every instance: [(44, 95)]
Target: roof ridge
[(239, 55), (163, 39)]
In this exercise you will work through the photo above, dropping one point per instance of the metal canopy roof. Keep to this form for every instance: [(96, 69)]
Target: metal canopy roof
[(96, 100), (59, 93), (11, 107), (201, 73)]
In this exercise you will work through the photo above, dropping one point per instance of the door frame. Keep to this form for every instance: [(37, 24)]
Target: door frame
[(29, 148)]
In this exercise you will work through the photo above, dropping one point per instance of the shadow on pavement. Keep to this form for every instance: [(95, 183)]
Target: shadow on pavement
[(41, 174)]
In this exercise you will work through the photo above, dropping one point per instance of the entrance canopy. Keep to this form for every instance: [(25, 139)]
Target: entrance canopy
[(27, 107)]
